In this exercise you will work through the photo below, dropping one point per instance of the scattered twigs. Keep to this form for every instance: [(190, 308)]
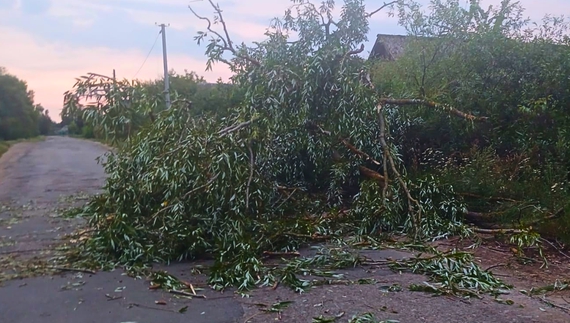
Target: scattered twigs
[(282, 254), (112, 298), (80, 270), (556, 248), (152, 308), (431, 104), (382, 7), (495, 266), (23, 251), (313, 237), (545, 301), (182, 293)]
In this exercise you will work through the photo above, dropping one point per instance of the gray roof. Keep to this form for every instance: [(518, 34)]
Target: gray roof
[(389, 47)]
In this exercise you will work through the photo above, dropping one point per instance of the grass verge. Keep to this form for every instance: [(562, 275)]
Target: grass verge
[(6, 144)]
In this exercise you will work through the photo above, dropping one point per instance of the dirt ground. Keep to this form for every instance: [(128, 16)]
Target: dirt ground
[(37, 180)]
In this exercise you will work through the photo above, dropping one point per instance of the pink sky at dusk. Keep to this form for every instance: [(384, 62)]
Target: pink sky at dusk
[(49, 43)]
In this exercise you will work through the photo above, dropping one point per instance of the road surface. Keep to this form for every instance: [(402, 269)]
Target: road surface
[(34, 177)]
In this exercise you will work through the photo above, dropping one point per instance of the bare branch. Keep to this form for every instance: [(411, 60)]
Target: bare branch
[(219, 12), (359, 152), (209, 26), (356, 51), (228, 44), (236, 127), (382, 7), (431, 104)]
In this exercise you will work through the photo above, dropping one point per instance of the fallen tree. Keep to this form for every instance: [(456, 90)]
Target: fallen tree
[(311, 138)]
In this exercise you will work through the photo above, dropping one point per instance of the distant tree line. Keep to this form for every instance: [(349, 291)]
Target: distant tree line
[(20, 117), (138, 102)]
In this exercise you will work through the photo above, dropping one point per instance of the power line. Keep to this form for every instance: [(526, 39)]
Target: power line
[(147, 55)]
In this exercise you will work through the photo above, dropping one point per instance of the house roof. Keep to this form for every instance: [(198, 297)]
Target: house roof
[(388, 47)]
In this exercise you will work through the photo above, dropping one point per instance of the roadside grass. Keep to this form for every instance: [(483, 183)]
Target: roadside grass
[(6, 144)]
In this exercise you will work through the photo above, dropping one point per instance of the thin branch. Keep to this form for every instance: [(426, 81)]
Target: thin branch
[(359, 152), (544, 300), (556, 248), (219, 12), (251, 165), (491, 198), (81, 270), (236, 127), (352, 52), (182, 293), (382, 138), (282, 254), (431, 104), (379, 9), (187, 194), (228, 45), (209, 26), (411, 199), (494, 231)]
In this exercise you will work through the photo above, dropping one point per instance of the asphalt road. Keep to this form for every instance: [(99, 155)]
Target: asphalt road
[(37, 175)]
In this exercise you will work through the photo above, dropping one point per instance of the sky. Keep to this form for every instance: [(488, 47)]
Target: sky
[(48, 43)]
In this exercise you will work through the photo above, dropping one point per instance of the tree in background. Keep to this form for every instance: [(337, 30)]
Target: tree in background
[(515, 167), (19, 116), (101, 107)]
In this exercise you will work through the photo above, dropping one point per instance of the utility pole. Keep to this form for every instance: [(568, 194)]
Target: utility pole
[(165, 61)]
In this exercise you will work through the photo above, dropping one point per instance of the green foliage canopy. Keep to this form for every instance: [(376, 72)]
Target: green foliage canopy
[(19, 116)]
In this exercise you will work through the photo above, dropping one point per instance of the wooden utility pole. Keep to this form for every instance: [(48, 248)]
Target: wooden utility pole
[(165, 61)]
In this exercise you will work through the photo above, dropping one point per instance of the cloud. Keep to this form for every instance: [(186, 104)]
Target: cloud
[(50, 68)]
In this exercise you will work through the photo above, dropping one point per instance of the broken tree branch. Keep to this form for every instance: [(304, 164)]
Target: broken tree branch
[(431, 104), (372, 174)]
